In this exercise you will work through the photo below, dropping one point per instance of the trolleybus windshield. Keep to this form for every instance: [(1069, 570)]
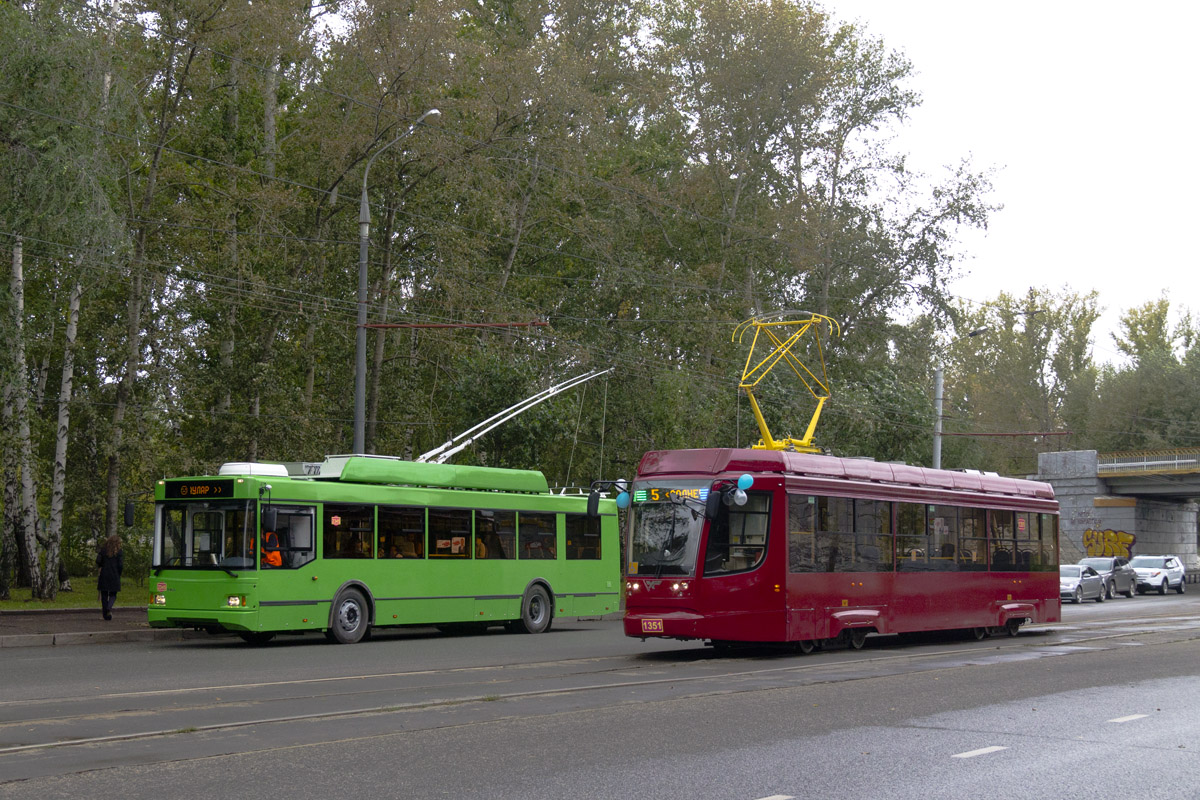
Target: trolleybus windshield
[(666, 520), (205, 535)]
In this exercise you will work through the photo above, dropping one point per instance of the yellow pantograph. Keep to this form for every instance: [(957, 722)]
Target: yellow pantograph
[(782, 332)]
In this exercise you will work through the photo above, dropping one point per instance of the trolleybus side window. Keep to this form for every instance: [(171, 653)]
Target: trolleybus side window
[(293, 540), (1004, 544), (583, 537), (537, 535), (401, 532), (495, 534), (449, 533), (802, 533), (737, 538), (349, 531)]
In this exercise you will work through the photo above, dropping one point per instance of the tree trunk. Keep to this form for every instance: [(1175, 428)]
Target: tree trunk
[(50, 577), (28, 493)]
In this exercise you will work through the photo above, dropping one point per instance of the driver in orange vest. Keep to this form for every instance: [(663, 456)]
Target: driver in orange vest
[(271, 556)]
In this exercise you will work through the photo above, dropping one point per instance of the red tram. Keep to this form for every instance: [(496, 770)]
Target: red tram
[(768, 546)]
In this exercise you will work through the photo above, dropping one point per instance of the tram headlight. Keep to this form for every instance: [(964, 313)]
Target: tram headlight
[(632, 586), (160, 599)]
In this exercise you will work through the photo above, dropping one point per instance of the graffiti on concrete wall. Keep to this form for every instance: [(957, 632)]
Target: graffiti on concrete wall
[(1108, 543)]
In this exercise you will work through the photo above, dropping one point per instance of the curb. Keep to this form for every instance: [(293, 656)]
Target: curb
[(96, 637)]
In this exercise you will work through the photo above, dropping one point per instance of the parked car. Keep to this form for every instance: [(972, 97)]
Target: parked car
[(1118, 575), (1079, 582), (1160, 573)]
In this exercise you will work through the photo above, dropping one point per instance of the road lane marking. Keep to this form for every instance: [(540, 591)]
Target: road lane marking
[(1130, 718), (983, 751), (778, 797)]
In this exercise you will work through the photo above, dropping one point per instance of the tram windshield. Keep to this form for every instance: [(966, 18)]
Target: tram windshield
[(666, 520), (205, 535)]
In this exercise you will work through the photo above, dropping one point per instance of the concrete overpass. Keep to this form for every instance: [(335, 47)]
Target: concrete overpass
[(1131, 503)]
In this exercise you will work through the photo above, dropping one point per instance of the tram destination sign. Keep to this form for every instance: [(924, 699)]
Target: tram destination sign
[(199, 490), (670, 494)]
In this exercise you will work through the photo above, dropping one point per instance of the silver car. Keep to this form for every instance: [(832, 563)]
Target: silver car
[(1080, 582), (1118, 576), (1159, 573)]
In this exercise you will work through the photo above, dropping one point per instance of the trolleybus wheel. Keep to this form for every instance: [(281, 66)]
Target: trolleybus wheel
[(349, 617), (856, 638), (256, 637), (536, 611), (805, 646)]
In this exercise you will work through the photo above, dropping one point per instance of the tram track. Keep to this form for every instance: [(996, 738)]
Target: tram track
[(208, 712)]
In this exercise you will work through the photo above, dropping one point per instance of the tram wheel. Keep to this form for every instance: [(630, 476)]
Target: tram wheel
[(979, 633), (805, 646), (350, 617), (856, 638), (1013, 627), (536, 610)]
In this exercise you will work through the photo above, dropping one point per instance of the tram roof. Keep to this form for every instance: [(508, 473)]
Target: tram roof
[(720, 461)]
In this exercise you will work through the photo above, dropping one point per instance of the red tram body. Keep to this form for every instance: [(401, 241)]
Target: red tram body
[(822, 547)]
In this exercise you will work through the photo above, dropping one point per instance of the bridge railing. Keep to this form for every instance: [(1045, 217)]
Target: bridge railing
[(1177, 460)]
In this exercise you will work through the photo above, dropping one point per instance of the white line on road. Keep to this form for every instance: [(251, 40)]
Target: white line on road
[(980, 752), (1130, 718), (778, 797)]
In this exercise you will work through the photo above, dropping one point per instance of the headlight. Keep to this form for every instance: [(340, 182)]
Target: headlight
[(236, 601), (160, 599)]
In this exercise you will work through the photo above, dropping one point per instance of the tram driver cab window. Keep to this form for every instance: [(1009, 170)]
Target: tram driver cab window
[(737, 538)]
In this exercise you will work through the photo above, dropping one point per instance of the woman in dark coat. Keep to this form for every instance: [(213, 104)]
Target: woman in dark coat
[(111, 562)]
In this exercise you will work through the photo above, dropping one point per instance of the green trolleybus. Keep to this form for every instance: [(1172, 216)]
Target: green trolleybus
[(359, 542)]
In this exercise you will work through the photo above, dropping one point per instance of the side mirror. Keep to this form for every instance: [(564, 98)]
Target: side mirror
[(269, 518), (593, 504), (713, 504), (128, 513)]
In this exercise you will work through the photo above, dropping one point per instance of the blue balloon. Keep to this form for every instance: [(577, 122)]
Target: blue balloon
[(623, 500), (745, 481)]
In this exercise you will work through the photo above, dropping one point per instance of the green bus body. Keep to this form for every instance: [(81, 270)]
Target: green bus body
[(420, 543)]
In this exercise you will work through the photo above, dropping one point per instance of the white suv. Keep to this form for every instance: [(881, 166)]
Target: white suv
[(1158, 572)]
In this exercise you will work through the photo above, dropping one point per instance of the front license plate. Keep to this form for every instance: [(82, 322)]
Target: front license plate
[(652, 626)]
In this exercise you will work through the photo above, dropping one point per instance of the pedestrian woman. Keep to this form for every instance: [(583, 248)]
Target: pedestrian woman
[(111, 562)]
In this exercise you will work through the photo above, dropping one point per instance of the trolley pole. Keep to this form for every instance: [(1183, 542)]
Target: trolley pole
[(360, 339)]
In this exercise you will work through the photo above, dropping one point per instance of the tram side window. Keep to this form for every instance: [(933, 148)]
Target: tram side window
[(872, 536), (401, 532), (537, 535), (349, 531), (1047, 560), (835, 534), (294, 537), (737, 538), (972, 539), (495, 534), (449, 533), (1026, 537), (912, 540), (583, 537), (1003, 541), (802, 533)]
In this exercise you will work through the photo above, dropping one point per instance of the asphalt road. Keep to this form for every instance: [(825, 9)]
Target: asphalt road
[(585, 712)]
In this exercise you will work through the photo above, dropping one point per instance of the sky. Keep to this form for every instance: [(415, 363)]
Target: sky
[(1089, 111)]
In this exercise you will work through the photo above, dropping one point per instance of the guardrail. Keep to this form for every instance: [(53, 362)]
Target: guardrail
[(1179, 460)]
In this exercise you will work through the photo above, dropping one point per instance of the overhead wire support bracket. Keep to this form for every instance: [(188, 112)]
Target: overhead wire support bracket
[(783, 331)]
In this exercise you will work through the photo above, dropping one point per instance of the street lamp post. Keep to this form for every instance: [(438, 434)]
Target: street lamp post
[(937, 406), (360, 341)]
